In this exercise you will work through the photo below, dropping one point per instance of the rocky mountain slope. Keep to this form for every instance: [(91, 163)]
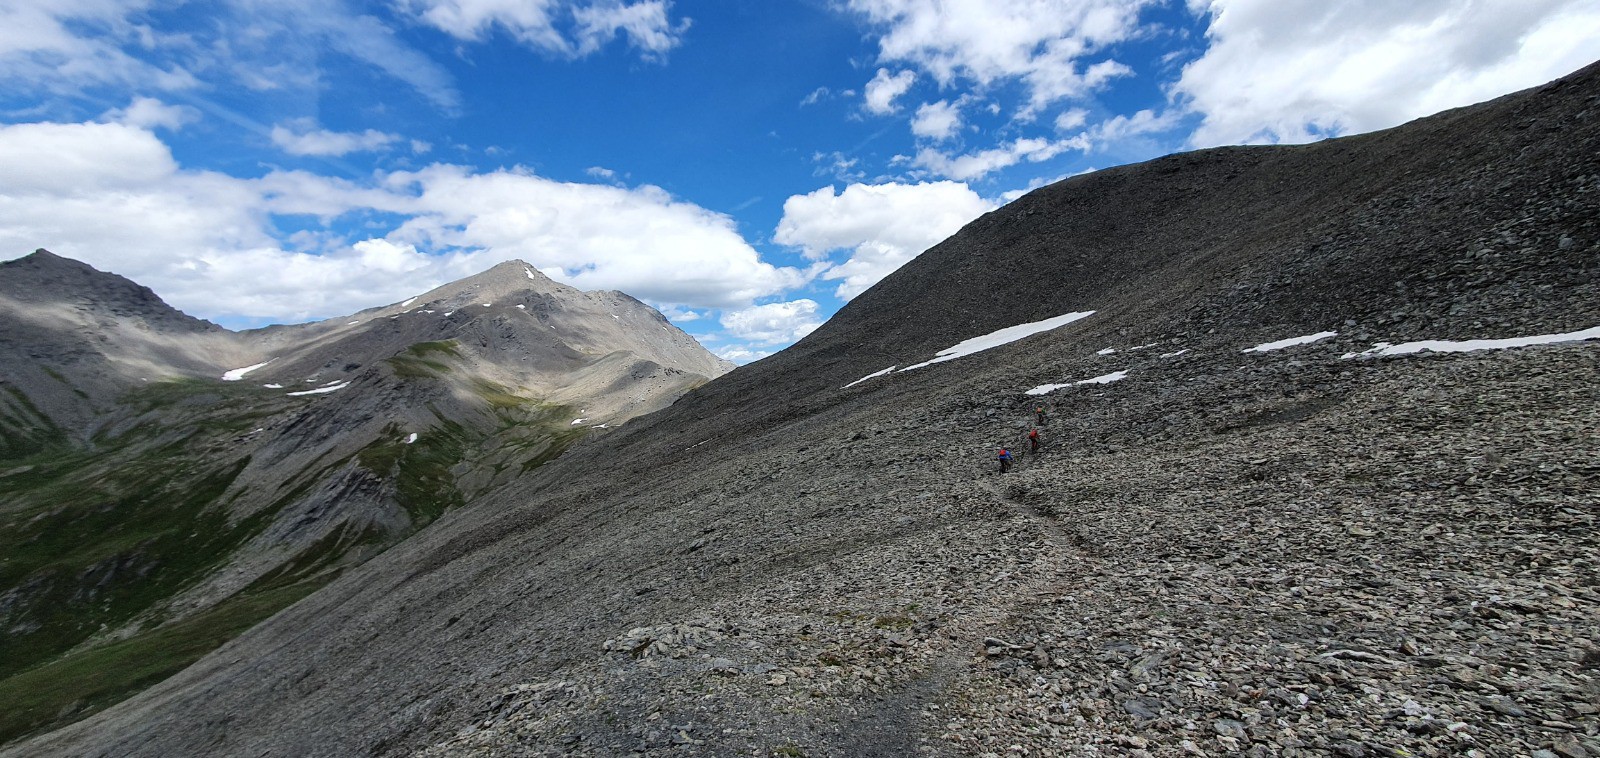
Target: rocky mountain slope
[(165, 483), (1250, 530)]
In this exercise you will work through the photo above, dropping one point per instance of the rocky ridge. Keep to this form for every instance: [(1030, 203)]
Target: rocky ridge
[(164, 482), (1295, 551)]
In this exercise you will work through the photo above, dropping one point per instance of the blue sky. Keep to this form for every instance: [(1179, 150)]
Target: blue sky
[(747, 167)]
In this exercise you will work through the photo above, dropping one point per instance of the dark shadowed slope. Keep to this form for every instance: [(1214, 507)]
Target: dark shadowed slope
[(1284, 549)]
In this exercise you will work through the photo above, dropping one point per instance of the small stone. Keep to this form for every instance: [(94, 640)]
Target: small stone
[(1229, 728), (1567, 747)]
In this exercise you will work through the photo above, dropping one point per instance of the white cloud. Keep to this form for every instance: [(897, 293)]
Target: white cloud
[(1071, 119), (69, 47), (1042, 43), (305, 139), (1118, 128), (741, 354), (882, 225), (984, 162), (884, 88), (150, 113), (839, 166), (937, 121), (773, 323), (112, 195), (558, 27), (1297, 70)]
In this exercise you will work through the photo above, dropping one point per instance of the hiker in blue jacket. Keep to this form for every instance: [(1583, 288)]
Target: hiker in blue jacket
[(1005, 460)]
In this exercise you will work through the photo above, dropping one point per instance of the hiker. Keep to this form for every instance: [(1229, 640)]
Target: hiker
[(1038, 412), (1033, 439), (1005, 460)]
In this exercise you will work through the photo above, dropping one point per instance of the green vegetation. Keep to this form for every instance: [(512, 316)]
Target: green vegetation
[(100, 541), (24, 430), (83, 682), (122, 542), (423, 360)]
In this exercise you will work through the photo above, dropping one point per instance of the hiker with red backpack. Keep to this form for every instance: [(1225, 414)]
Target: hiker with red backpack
[(1033, 440), (1005, 460)]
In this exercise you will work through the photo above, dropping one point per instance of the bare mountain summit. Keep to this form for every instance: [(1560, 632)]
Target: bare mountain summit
[(165, 482)]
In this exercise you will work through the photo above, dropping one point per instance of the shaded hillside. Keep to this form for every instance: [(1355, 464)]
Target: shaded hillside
[(166, 483), (1242, 535)]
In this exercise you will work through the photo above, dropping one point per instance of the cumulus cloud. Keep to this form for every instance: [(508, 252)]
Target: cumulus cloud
[(1047, 46), (558, 27), (150, 113), (1071, 119), (1298, 70), (983, 162), (881, 226), (113, 196), (741, 354), (884, 88), (937, 121), (773, 323), (301, 137)]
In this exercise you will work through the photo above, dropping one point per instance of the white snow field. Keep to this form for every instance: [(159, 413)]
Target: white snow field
[(320, 390), (412, 438), (984, 342), (1291, 342), (1045, 389), (1466, 346), (873, 375), (238, 373)]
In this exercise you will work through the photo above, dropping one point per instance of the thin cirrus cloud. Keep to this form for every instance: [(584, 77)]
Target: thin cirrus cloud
[(558, 27), (301, 137)]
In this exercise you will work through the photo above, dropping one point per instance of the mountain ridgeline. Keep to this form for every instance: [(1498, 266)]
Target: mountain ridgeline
[(1317, 479), (165, 482)]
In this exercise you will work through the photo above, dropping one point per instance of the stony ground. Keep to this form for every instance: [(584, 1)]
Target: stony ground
[(1374, 557)]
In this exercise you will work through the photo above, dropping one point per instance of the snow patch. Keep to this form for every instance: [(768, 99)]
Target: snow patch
[(273, 386), (873, 375), (488, 305), (523, 307), (1045, 389), (408, 302), (1291, 342), (1107, 351), (352, 323), (412, 438), (1000, 337), (578, 421), (320, 390), (529, 272), (238, 373), (1466, 346), (447, 314), (1174, 355)]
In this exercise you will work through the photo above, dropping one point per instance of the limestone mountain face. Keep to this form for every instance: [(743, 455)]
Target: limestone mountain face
[(165, 482), (1317, 479)]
